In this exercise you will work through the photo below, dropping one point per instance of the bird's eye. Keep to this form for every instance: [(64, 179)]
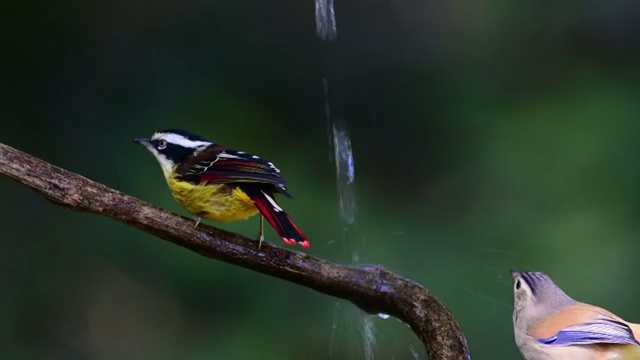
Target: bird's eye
[(162, 145), (518, 284)]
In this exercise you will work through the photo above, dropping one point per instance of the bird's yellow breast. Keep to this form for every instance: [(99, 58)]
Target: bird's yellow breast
[(217, 202)]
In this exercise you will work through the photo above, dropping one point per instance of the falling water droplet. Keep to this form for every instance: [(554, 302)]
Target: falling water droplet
[(352, 239), (325, 20), (414, 352), (345, 172), (369, 337)]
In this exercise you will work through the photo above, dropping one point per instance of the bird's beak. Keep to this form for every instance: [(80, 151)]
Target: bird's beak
[(142, 141), (514, 273)]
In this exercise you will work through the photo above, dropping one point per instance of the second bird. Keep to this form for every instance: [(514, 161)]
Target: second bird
[(221, 184), (550, 325)]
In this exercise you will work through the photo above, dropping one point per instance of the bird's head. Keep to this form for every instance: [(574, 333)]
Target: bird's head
[(172, 147), (535, 296)]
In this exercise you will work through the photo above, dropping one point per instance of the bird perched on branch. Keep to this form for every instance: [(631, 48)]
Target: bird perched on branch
[(550, 325), (221, 184)]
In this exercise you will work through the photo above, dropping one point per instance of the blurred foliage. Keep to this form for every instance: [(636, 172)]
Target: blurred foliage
[(487, 135)]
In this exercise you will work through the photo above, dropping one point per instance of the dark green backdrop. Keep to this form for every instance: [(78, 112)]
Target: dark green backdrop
[(486, 134)]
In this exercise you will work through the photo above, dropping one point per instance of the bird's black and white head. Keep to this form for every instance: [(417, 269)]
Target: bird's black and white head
[(535, 296), (172, 147)]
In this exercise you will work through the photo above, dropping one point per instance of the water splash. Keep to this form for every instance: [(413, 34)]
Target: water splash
[(414, 352), (368, 337), (325, 20), (345, 173), (348, 316), (340, 141), (353, 333)]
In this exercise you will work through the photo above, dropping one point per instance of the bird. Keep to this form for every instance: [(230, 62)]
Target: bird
[(214, 182), (550, 325)]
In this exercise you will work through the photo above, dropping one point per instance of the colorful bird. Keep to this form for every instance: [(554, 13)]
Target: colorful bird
[(221, 184)]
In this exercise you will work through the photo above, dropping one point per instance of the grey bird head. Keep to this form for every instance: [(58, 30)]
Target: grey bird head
[(535, 297)]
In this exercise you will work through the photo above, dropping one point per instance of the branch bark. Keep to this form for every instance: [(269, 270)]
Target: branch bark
[(372, 288)]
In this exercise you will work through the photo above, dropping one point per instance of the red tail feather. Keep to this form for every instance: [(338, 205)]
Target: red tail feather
[(281, 222)]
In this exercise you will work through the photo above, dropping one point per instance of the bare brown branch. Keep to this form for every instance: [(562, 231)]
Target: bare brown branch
[(372, 288)]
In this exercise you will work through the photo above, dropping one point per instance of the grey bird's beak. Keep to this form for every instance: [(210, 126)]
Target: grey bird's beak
[(514, 273), (143, 141)]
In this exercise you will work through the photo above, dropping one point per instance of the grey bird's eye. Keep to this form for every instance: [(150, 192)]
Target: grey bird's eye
[(518, 285), (162, 145)]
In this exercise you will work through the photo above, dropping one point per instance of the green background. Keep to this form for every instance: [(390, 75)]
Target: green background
[(487, 135)]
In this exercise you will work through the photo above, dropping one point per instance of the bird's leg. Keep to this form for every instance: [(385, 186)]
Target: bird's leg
[(197, 219), (261, 233)]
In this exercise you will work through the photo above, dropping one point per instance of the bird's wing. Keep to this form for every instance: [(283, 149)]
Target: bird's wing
[(602, 330), (217, 164)]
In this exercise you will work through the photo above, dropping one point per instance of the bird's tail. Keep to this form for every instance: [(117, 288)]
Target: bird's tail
[(275, 215)]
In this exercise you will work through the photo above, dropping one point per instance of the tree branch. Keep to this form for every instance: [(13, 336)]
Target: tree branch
[(371, 288)]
